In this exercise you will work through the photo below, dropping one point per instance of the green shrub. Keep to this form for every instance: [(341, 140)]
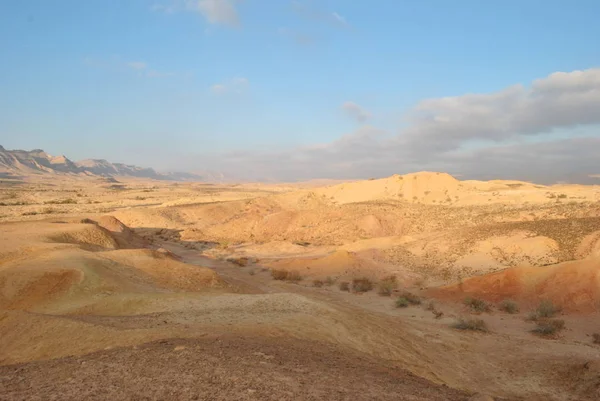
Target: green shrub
[(470, 324), (477, 305), (548, 327), (344, 286), (387, 285), (509, 306), (402, 302), (362, 284)]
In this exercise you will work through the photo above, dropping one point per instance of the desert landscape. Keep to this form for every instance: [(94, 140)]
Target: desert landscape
[(299, 200), (413, 287)]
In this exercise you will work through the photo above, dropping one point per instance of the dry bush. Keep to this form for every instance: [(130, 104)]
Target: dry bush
[(318, 283), (548, 327), (477, 305), (387, 285), (344, 286), (279, 274), (294, 277), (329, 281), (509, 306), (402, 302), (411, 298), (362, 284), (596, 338), (242, 262), (285, 275), (545, 310), (470, 324), (61, 202)]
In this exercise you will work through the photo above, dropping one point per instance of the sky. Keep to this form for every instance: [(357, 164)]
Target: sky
[(302, 89)]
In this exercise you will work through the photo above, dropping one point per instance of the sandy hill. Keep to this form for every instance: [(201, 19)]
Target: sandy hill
[(573, 286), (70, 266)]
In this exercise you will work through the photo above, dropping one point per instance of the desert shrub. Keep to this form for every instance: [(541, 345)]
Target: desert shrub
[(87, 221), (430, 306), (547, 309), (279, 274), (318, 283), (252, 272), (239, 261), (596, 338), (548, 327), (509, 306), (140, 198), (402, 302), (329, 281), (68, 201), (411, 298), (470, 324), (344, 286), (294, 276), (387, 285), (477, 305), (29, 213), (362, 284)]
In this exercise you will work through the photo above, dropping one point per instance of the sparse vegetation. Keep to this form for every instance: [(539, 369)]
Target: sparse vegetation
[(477, 305), (87, 221), (362, 284), (68, 201), (29, 213), (242, 262), (344, 286), (596, 338), (285, 275), (411, 298), (329, 281), (402, 302), (140, 198), (318, 283), (548, 327), (470, 324), (387, 285), (279, 274), (509, 306), (294, 276), (545, 310)]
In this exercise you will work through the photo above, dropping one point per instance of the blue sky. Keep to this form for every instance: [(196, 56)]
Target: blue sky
[(173, 83)]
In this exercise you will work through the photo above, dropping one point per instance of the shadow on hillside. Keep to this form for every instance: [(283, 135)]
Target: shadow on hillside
[(157, 234)]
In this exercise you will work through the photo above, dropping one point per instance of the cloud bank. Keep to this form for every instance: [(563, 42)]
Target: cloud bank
[(511, 133)]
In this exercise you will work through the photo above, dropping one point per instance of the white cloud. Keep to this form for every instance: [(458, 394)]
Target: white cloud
[(218, 11), (356, 112), (519, 123), (235, 85), (557, 101)]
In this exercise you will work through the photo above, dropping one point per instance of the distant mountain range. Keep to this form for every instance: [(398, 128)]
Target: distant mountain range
[(39, 162)]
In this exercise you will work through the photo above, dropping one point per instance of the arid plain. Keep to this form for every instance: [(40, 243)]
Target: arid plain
[(411, 287)]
